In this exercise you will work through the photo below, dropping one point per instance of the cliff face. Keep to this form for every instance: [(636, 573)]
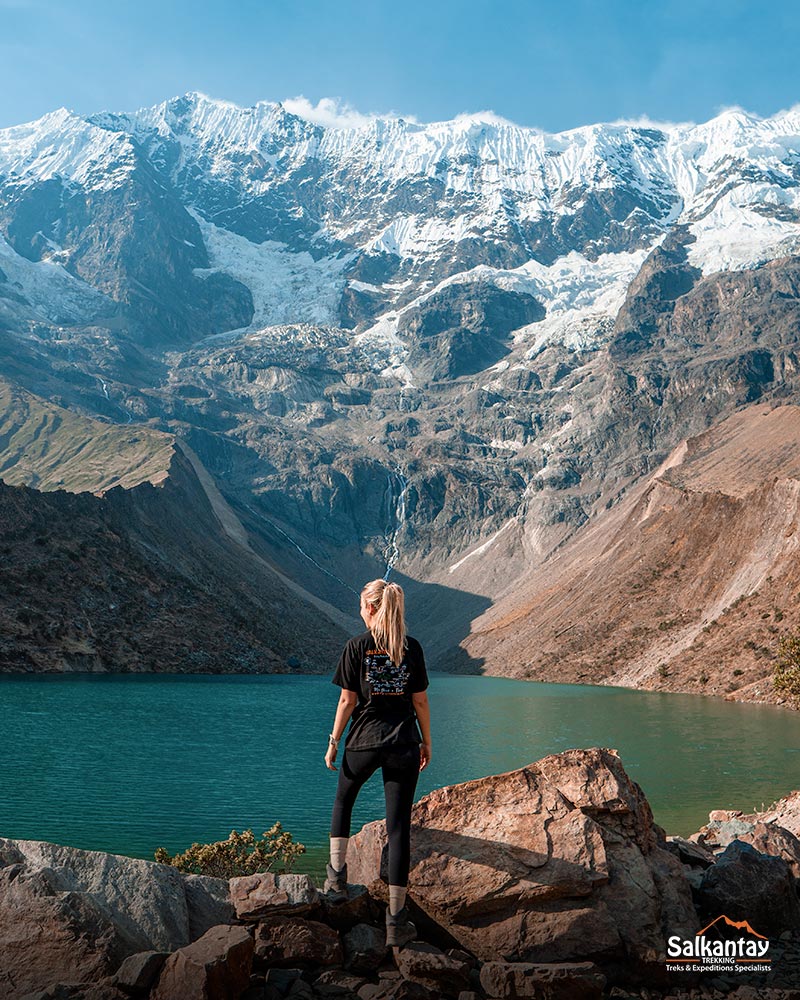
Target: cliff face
[(685, 585)]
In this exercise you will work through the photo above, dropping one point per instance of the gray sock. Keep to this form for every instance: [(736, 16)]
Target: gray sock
[(338, 852), (397, 898)]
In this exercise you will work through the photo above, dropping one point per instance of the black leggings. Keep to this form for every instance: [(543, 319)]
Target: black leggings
[(400, 767)]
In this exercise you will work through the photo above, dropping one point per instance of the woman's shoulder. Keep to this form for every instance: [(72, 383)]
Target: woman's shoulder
[(413, 644)]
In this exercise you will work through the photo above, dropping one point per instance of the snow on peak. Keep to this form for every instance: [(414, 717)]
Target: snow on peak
[(63, 144)]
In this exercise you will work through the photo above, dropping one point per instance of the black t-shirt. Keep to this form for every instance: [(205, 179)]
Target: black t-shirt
[(384, 714)]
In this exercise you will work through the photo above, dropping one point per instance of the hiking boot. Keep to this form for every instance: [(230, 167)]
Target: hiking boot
[(336, 883), (399, 929)]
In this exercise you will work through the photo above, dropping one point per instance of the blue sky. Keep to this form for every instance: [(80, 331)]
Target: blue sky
[(550, 65)]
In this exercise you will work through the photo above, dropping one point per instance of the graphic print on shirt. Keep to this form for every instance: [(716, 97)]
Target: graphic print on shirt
[(382, 676)]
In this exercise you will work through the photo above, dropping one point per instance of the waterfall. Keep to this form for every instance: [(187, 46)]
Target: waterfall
[(397, 488)]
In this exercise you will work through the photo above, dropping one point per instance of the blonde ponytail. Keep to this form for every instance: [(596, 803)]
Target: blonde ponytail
[(389, 625)]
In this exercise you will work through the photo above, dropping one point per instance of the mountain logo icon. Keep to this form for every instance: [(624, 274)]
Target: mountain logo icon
[(734, 924)]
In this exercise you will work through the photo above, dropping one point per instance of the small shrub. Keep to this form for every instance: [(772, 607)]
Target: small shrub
[(786, 675), (663, 670), (738, 673), (703, 678), (240, 854)]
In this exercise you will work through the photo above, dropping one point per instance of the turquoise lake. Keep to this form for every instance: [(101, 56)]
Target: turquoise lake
[(128, 763)]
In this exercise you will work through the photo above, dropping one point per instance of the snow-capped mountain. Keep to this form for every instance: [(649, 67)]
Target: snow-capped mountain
[(346, 226), (441, 347)]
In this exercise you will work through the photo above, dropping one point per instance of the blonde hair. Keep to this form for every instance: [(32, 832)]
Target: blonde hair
[(389, 625)]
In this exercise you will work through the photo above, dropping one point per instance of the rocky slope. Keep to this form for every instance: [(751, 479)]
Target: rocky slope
[(686, 584), (153, 573), (437, 350)]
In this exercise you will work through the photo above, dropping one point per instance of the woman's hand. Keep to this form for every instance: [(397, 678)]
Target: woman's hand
[(330, 757), (424, 755)]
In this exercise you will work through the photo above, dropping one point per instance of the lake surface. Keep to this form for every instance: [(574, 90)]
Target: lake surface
[(128, 763)]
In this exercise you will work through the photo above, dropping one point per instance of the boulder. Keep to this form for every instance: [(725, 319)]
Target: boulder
[(555, 981), (555, 862), (364, 948), (209, 903), (139, 972), (293, 941), (424, 964), (747, 885), (215, 967), (73, 916), (690, 853), (269, 895), (772, 839)]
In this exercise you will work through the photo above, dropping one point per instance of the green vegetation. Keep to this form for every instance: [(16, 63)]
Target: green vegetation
[(240, 854), (786, 675)]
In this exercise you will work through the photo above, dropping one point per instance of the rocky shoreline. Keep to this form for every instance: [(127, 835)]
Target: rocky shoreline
[(551, 881)]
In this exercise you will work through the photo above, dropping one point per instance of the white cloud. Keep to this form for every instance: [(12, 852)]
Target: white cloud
[(329, 112), (335, 113), (485, 118)]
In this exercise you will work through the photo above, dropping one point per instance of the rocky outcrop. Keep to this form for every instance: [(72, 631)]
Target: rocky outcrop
[(559, 861), (549, 882), (72, 915)]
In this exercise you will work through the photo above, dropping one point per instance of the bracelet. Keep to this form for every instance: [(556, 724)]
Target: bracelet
[(332, 741)]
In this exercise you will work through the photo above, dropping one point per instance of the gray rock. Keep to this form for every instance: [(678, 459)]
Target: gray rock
[(209, 903), (68, 915), (364, 948), (689, 852), (283, 979)]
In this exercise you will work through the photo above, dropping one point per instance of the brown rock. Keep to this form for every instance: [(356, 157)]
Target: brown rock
[(269, 895), (358, 908), (721, 815), (559, 981), (785, 812), (769, 838), (558, 861), (215, 967), (138, 972), (422, 963), (293, 941)]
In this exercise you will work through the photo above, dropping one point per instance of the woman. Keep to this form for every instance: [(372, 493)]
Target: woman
[(383, 680)]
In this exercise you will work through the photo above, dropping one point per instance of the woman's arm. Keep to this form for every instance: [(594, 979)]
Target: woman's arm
[(347, 702), (423, 710)]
